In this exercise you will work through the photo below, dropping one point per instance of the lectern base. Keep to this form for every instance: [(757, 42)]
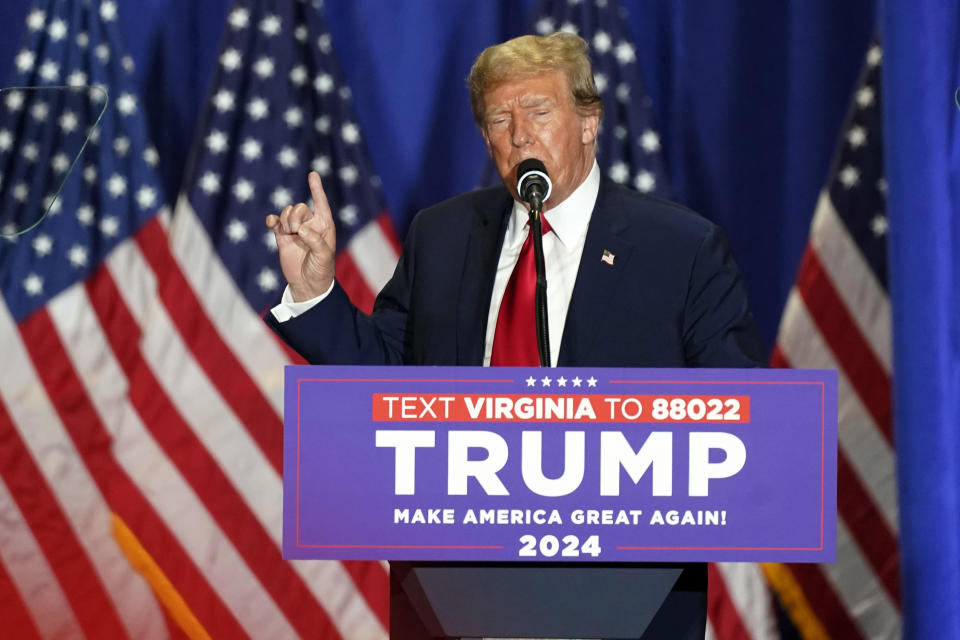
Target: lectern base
[(538, 600)]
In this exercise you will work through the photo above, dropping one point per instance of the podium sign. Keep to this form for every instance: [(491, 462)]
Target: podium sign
[(529, 464)]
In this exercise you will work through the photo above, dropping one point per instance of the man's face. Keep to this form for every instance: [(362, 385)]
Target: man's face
[(536, 118)]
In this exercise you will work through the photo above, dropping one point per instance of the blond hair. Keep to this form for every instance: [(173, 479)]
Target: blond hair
[(529, 56)]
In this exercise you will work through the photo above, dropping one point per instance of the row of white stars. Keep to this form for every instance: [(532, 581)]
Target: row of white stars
[(57, 29), (561, 381), (244, 191), (644, 181), (271, 25), (15, 100), (60, 162), (602, 42), (26, 60)]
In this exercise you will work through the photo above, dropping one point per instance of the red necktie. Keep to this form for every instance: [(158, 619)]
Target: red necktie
[(515, 339)]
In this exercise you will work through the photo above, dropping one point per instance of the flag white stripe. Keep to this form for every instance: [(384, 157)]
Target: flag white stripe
[(199, 401), (238, 325), (135, 602), (862, 595), (31, 574), (859, 438), (228, 441), (162, 485), (330, 583), (748, 591), (77, 494), (854, 280), (374, 256)]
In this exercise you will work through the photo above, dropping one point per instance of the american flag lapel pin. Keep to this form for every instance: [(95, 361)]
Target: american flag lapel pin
[(607, 257)]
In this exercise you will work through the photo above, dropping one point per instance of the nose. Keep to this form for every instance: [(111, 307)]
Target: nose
[(520, 134)]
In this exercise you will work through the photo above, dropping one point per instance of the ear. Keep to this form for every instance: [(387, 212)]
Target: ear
[(589, 125)]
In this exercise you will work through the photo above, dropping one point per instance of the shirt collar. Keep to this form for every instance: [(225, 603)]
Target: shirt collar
[(570, 218)]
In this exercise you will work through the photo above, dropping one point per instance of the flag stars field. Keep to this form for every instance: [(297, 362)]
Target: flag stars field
[(251, 149), (223, 101), (230, 60), (77, 256), (280, 198), (36, 20), (267, 280), (25, 61), (33, 285), (298, 75), (849, 176), (217, 141), (324, 44), (288, 158), (127, 104), (68, 122), (323, 84), (239, 19), (270, 25), (42, 245), (210, 183), (258, 108), (108, 11), (602, 42), (264, 67), (236, 231), (243, 190), (110, 226)]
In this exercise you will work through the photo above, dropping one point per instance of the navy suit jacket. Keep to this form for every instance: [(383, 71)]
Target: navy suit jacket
[(673, 296)]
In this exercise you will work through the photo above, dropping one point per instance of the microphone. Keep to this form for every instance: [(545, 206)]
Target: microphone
[(533, 183), (534, 186)]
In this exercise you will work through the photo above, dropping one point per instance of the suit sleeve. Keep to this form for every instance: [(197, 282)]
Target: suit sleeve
[(335, 332), (718, 327)]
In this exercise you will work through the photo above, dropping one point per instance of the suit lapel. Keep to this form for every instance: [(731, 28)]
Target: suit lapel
[(597, 282), (477, 277)]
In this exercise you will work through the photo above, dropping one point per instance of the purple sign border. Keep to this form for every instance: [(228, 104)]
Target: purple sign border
[(820, 553)]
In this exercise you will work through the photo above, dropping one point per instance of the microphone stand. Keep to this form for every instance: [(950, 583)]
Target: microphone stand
[(540, 312)]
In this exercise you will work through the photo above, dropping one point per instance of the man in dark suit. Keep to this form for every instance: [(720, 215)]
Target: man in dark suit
[(632, 280)]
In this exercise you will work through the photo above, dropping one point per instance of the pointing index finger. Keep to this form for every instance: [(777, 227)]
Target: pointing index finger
[(320, 205)]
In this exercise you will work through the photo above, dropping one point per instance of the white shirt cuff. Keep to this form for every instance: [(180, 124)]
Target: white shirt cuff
[(289, 308)]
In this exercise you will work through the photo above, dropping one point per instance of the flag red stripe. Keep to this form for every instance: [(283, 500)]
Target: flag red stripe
[(385, 221), (211, 353), (839, 330), (350, 278), (17, 621), (868, 528), (93, 443), (200, 469), (721, 609), (74, 570), (824, 601)]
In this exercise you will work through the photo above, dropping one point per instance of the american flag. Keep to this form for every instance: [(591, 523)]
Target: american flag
[(739, 604), (279, 108), (140, 400), (837, 316)]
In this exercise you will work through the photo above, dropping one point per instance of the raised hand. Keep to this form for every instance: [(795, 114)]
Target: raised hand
[(307, 243)]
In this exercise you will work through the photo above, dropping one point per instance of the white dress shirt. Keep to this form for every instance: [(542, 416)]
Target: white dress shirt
[(562, 248)]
